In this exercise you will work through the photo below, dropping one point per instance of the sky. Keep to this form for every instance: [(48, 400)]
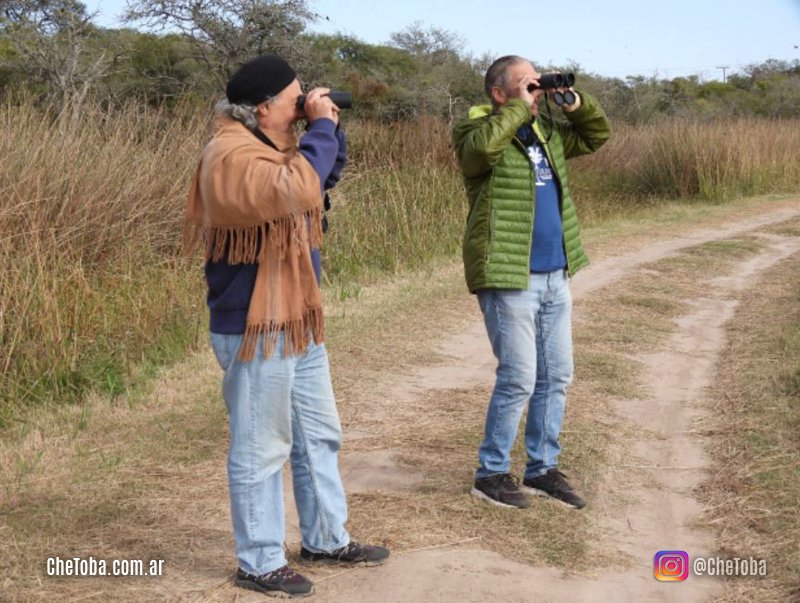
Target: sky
[(615, 38)]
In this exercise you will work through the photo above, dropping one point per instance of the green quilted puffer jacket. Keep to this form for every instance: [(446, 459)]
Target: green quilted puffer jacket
[(501, 190)]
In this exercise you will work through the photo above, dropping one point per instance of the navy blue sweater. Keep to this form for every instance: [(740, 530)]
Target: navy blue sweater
[(231, 286)]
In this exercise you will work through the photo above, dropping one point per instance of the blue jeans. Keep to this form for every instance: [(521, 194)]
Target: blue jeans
[(531, 337), (281, 408)]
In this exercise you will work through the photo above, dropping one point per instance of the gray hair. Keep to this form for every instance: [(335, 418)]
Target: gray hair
[(246, 114), (497, 74)]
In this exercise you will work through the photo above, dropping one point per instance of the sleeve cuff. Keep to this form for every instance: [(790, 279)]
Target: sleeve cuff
[(323, 124), (574, 106)]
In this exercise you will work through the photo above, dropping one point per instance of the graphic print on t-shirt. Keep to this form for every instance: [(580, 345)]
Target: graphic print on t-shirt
[(541, 168)]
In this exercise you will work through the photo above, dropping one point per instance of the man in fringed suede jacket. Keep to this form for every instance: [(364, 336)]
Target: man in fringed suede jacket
[(256, 204)]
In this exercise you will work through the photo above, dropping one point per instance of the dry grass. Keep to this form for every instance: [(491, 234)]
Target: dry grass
[(77, 309), (95, 289), (677, 158), (89, 221), (88, 479), (753, 497), (90, 217)]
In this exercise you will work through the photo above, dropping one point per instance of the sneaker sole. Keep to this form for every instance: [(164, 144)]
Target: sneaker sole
[(537, 492), (480, 495), (278, 594)]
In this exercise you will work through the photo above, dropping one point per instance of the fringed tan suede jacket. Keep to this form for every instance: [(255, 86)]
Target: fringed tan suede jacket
[(250, 203)]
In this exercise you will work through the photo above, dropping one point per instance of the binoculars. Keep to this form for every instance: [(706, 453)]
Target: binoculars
[(343, 100), (551, 81)]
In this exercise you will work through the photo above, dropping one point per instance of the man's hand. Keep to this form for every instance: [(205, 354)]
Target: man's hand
[(532, 98), (319, 105), (574, 106)]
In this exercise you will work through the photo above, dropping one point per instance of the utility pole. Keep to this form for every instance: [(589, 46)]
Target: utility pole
[(724, 67)]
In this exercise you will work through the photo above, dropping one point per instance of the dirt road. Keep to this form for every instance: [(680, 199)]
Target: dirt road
[(669, 459), (412, 369)]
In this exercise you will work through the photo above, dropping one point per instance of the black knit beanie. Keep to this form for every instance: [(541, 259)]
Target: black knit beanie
[(259, 79)]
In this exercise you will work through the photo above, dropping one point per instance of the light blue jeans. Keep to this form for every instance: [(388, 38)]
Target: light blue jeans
[(531, 336), (281, 408)]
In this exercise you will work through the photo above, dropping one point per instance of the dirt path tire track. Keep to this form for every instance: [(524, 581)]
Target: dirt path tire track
[(473, 361), (674, 462)]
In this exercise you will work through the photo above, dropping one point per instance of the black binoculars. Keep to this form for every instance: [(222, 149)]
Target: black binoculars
[(343, 100), (551, 81)]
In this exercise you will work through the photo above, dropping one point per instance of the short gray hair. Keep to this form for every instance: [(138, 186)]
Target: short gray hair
[(244, 113), (497, 74)]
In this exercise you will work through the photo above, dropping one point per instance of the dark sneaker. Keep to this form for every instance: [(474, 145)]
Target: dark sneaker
[(554, 484), (282, 582), (501, 489), (352, 553)]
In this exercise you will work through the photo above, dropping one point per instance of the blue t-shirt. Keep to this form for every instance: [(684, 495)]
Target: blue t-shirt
[(547, 249)]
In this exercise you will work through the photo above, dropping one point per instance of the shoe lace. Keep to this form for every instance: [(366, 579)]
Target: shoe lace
[(509, 481), (560, 480), (350, 547), (282, 572)]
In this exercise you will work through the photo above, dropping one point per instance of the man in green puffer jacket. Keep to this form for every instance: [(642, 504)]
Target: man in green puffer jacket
[(514, 165)]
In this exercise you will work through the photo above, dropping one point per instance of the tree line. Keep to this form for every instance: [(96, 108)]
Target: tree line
[(173, 51)]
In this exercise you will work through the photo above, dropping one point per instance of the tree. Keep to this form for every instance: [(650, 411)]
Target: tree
[(156, 68), (50, 43), (443, 77), (434, 45), (226, 33)]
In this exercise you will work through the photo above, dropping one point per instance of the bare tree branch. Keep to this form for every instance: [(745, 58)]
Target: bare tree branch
[(49, 39), (226, 33)]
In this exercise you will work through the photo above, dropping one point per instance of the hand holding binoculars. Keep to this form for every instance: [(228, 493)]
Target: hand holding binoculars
[(553, 81), (343, 100)]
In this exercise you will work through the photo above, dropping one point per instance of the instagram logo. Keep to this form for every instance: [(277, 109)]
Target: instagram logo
[(671, 566)]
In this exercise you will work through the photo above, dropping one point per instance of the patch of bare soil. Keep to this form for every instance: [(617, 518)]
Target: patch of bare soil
[(668, 462)]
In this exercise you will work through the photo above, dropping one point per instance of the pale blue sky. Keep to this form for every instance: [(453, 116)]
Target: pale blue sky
[(609, 37)]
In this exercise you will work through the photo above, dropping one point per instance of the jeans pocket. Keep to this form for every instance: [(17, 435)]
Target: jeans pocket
[(223, 349)]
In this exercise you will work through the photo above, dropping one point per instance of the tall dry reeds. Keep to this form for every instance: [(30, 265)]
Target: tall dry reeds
[(93, 285), (712, 161), (400, 204), (89, 223)]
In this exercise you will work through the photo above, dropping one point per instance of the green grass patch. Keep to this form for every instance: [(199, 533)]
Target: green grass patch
[(790, 228), (610, 374), (108, 332), (734, 248)]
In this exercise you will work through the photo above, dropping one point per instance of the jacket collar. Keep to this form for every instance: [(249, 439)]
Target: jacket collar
[(478, 111)]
